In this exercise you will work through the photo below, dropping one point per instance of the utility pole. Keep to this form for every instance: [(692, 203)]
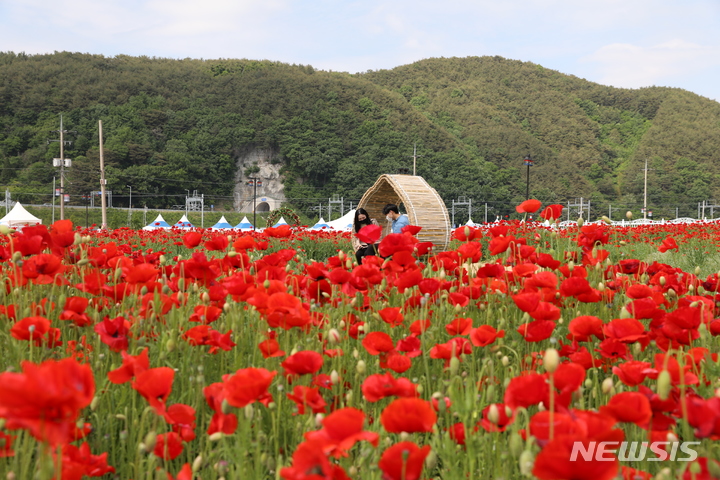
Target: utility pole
[(103, 200), (415, 156), (62, 162), (645, 195)]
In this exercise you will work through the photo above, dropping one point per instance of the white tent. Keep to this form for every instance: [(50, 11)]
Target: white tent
[(280, 222), (244, 224), (320, 225), (470, 223), (343, 223), (222, 224), (19, 217), (159, 222), (183, 223)]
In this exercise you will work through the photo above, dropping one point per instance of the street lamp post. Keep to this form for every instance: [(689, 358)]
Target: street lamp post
[(529, 163), (254, 181)]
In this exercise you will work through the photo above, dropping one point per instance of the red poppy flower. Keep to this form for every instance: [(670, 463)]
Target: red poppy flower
[(131, 367), (302, 363), (586, 326), (552, 212), (529, 206), (79, 461), (529, 389), (247, 385), (182, 419), (484, 335), (218, 243), (46, 399), (668, 243), (537, 330), (155, 386), (283, 231), (411, 229), (396, 242), (168, 446), (32, 329), (553, 462), (391, 316), (341, 430), (310, 463), (114, 333), (377, 342), (369, 234), (408, 415), (629, 407), (307, 397), (459, 326), (192, 239), (270, 348), (43, 268), (403, 461)]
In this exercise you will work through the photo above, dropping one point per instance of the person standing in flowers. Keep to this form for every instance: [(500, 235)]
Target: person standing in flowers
[(362, 250), (393, 215)]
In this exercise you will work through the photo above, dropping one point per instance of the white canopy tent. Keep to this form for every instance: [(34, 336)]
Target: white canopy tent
[(222, 224), (158, 223), (244, 224), (19, 217), (321, 224), (343, 223)]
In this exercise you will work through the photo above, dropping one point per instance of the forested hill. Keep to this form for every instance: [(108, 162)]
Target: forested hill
[(177, 125)]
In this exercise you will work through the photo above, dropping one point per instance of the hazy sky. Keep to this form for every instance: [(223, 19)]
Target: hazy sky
[(624, 43)]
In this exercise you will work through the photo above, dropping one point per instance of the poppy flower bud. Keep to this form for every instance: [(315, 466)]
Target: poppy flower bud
[(205, 297), (664, 384), (695, 468), (580, 222), (551, 360), (94, 403), (170, 345), (605, 219), (505, 361), (4, 229), (697, 270), (77, 239), (225, 407), (16, 256), (526, 463), (341, 254), (334, 336), (516, 444), (431, 460), (348, 397), (493, 414), (197, 463), (404, 436), (334, 377), (150, 440), (216, 436), (361, 367), (454, 365), (628, 215), (625, 313), (249, 412), (348, 263), (466, 231), (713, 469), (663, 281), (608, 388), (82, 262)]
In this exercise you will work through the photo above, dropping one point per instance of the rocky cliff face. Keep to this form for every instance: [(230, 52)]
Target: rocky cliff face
[(266, 164)]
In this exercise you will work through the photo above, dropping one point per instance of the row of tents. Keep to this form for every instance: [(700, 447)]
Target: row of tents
[(343, 223)]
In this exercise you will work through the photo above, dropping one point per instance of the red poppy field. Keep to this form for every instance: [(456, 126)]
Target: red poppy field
[(202, 355)]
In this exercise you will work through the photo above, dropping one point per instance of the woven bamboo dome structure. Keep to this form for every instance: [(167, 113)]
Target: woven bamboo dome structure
[(422, 203)]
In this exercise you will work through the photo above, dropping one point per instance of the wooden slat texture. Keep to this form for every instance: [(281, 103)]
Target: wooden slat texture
[(421, 202)]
